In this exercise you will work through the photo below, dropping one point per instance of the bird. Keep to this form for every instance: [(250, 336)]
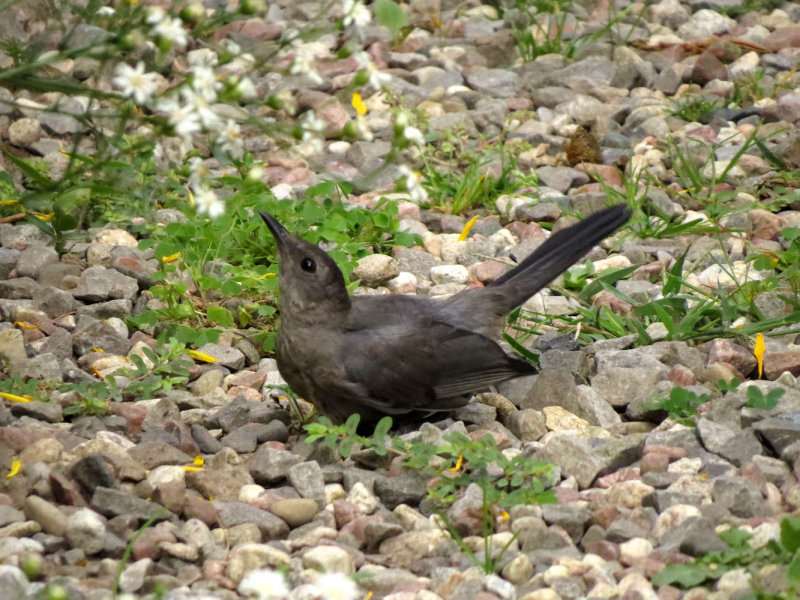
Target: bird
[(406, 356)]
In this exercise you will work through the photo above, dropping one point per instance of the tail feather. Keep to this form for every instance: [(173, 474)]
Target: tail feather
[(557, 254)]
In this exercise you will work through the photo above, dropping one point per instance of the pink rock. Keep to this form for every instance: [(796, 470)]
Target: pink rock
[(785, 37), (681, 375), (776, 363), (763, 225), (725, 351)]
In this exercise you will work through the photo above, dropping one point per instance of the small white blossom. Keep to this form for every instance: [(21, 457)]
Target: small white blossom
[(155, 14), (375, 79), (202, 108), (413, 135), (233, 47), (411, 182), (230, 139), (205, 83), (282, 191), (355, 13), (311, 123), (245, 89), (134, 82), (105, 11), (202, 57), (172, 30), (335, 586), (183, 118), (199, 172), (304, 64), (291, 36), (264, 584), (207, 201)]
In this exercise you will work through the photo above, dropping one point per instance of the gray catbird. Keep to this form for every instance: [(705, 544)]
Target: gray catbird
[(405, 355)]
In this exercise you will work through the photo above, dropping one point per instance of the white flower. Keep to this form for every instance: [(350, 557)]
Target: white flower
[(230, 139), (335, 586), (311, 124), (304, 64), (411, 182), (171, 30), (105, 11), (202, 57), (207, 201), (233, 47), (155, 14), (291, 36), (205, 83), (282, 191), (245, 89), (413, 135), (264, 584), (202, 108), (375, 79), (183, 118), (199, 172), (133, 81), (355, 13)]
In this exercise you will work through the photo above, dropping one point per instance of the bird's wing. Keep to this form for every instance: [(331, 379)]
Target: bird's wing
[(427, 366)]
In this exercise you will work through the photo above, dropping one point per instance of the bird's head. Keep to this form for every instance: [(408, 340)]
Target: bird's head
[(310, 282)]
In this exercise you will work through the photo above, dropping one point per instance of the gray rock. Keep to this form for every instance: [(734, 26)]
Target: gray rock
[(18, 288), (375, 269), (119, 308), (49, 516), (237, 513), (98, 334), (740, 497), (227, 356), (113, 503), (85, 529), (45, 367), (50, 412), (571, 518), (12, 346), (33, 259), (54, 302), (406, 488), (98, 284), (695, 536), (307, 479), (270, 465)]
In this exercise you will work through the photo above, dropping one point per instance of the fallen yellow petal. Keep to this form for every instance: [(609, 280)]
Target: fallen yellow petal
[(358, 104), (198, 460), (197, 355), (96, 349), (189, 469), (25, 325), (8, 202), (171, 258), (458, 464), (43, 217), (467, 228), (16, 466), (14, 397), (758, 351)]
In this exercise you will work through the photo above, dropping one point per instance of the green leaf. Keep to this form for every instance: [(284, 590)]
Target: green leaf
[(794, 568), (390, 15), (790, 533), (220, 315)]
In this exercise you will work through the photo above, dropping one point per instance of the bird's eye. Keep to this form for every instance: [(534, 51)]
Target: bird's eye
[(308, 265)]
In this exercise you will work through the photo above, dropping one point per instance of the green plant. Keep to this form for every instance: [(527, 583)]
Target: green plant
[(681, 406), (91, 397), (694, 107), (757, 399), (741, 555), (504, 481)]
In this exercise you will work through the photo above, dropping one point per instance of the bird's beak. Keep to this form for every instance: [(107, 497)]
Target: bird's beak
[(277, 230)]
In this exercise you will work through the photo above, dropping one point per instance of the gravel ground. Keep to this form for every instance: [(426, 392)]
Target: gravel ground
[(636, 490)]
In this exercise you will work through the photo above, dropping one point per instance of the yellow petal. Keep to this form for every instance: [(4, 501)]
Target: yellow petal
[(171, 258), (43, 217), (358, 104), (198, 460), (24, 325), (758, 351), (202, 356), (16, 466), (458, 464), (14, 397), (189, 469), (8, 202), (96, 349), (467, 228)]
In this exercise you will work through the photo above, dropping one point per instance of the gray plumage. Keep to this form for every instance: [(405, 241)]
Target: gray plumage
[(402, 355)]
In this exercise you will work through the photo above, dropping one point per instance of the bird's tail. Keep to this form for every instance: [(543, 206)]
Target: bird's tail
[(561, 250)]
